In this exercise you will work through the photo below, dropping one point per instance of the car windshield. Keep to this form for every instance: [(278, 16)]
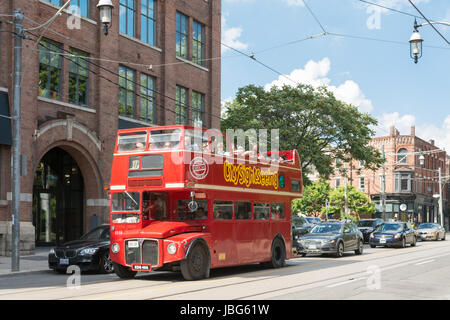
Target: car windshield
[(389, 227), (365, 223), (298, 222), (327, 228), (96, 234), (311, 220), (426, 226)]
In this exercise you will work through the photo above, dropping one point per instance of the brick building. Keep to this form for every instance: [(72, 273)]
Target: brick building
[(409, 186), (158, 65)]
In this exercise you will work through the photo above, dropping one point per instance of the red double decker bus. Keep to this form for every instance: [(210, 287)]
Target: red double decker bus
[(180, 202)]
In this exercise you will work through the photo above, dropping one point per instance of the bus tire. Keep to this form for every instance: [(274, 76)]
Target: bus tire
[(196, 266), (278, 253), (124, 272)]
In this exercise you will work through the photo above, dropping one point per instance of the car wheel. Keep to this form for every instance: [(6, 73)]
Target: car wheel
[(340, 250), (373, 246), (304, 254), (360, 248), (106, 264), (443, 237), (403, 242), (196, 265), (413, 244), (123, 271), (60, 271)]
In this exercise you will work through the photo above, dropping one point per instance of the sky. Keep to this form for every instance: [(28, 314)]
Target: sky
[(368, 65)]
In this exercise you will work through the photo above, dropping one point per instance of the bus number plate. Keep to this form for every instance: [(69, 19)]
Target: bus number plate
[(133, 244), (141, 267)]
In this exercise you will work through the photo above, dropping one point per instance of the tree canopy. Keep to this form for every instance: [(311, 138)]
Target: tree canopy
[(310, 120)]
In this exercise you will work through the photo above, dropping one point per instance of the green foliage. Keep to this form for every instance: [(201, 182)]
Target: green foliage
[(314, 198), (357, 203), (310, 120)]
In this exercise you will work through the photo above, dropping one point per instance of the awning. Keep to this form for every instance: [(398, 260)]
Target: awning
[(5, 121)]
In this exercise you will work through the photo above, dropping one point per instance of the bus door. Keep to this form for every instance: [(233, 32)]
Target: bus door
[(222, 228)]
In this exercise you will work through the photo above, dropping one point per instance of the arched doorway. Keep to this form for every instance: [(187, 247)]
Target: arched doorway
[(57, 199)]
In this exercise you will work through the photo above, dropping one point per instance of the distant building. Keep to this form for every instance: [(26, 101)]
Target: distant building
[(409, 186), (159, 65)]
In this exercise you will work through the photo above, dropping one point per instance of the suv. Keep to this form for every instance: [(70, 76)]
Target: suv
[(367, 226)]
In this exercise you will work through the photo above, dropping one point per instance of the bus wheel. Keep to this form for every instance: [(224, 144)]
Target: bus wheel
[(196, 265), (124, 272), (278, 255)]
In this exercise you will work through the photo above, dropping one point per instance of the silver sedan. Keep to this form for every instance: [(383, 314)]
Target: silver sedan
[(430, 231)]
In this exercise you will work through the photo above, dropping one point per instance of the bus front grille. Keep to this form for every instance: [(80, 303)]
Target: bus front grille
[(150, 252), (132, 255)]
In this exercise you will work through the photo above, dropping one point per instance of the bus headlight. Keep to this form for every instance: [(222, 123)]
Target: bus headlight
[(172, 248), (115, 248)]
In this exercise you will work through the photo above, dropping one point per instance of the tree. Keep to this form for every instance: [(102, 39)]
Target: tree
[(357, 203), (310, 120), (314, 199)]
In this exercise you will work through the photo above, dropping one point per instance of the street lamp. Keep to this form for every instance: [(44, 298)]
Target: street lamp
[(415, 42), (105, 8), (421, 160)]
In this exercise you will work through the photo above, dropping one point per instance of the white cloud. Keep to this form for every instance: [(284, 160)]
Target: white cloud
[(230, 37), (315, 74)]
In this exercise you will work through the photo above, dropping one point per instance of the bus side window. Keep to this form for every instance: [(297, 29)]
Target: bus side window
[(277, 211), (223, 210), (261, 211), (243, 210)]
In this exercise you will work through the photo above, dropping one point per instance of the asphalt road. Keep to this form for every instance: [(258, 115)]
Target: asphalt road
[(421, 272)]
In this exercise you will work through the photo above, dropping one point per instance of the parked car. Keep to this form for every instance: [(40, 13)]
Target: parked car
[(367, 226), (331, 237), (90, 252), (393, 234), (430, 231)]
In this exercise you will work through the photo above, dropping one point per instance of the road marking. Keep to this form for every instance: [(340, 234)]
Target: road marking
[(424, 262), (345, 282)]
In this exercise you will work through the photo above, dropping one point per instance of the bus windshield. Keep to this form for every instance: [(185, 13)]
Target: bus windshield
[(165, 139), (132, 142)]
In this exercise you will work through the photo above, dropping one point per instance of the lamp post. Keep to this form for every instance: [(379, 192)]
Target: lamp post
[(105, 8), (415, 42)]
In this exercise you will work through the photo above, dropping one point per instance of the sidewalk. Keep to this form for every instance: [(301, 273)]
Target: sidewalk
[(28, 264)]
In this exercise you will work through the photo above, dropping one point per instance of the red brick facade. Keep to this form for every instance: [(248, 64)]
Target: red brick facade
[(88, 133)]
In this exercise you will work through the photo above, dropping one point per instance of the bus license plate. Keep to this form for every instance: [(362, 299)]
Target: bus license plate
[(133, 244), (141, 267), (63, 261)]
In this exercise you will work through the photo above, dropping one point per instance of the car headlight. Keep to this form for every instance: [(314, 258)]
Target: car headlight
[(115, 248), (88, 251), (172, 248), (52, 251), (397, 235)]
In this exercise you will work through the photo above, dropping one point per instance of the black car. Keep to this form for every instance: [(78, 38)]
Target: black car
[(393, 234), (367, 226), (90, 252), (331, 237), (301, 226)]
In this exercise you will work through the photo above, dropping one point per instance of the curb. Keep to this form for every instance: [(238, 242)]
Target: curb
[(25, 272)]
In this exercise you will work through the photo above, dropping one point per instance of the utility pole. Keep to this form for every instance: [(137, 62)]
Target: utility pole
[(18, 36), (441, 209), (383, 187)]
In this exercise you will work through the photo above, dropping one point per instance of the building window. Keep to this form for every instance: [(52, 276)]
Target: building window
[(78, 78), (337, 182), (148, 21), (361, 184), (83, 5), (402, 182), (147, 94), (126, 92), (181, 105), (198, 43), (127, 13), (402, 156), (50, 62), (198, 109), (182, 36)]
